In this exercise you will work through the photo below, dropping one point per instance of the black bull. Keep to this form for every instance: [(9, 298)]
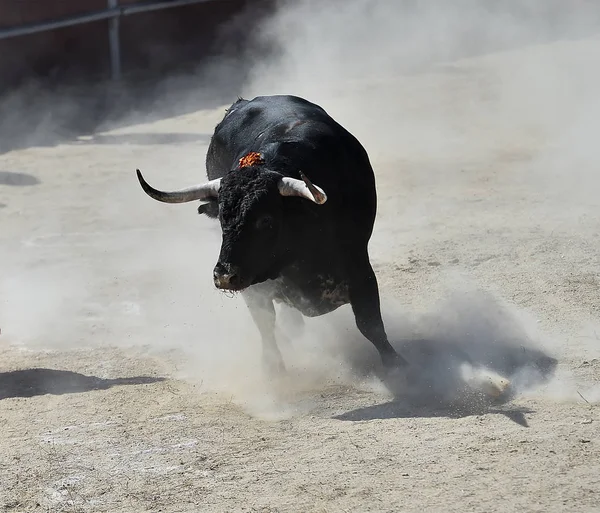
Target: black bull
[(286, 239)]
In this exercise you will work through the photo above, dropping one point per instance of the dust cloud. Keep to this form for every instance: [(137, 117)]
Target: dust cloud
[(394, 74)]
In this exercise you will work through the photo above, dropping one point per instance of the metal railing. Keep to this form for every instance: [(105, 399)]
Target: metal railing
[(113, 13)]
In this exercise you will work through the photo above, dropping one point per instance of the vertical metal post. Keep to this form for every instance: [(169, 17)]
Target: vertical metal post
[(114, 43)]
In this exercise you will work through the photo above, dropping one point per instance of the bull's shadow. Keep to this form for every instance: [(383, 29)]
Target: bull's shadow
[(34, 382), (400, 409)]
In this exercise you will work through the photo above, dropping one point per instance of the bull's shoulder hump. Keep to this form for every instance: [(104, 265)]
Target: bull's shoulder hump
[(281, 108), (274, 107), (283, 101)]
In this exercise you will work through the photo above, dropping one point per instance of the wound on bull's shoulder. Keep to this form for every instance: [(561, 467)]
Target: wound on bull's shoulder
[(252, 159)]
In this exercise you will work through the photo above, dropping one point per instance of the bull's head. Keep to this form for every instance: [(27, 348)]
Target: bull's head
[(251, 213)]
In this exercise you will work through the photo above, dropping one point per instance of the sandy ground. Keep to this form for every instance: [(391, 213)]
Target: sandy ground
[(127, 384)]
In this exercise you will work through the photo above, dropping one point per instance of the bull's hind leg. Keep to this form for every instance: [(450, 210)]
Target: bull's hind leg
[(364, 298), (262, 311)]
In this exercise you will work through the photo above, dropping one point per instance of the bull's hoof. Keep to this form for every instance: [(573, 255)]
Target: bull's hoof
[(396, 375), (394, 361), (397, 380)]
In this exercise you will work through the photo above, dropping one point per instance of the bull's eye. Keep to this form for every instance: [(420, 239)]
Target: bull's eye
[(264, 223)]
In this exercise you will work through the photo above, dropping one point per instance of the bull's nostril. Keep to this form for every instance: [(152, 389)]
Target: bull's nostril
[(227, 279), (225, 276)]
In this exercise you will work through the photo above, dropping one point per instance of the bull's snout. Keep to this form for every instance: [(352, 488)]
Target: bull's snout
[(227, 277)]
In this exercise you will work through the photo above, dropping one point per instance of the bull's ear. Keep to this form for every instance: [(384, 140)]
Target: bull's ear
[(302, 188), (210, 209)]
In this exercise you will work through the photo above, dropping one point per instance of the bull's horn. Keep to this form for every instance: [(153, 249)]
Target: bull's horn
[(303, 188), (200, 192)]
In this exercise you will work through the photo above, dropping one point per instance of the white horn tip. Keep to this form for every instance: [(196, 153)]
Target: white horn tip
[(317, 193), (320, 198)]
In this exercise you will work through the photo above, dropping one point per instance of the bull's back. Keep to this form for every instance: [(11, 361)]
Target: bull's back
[(255, 125)]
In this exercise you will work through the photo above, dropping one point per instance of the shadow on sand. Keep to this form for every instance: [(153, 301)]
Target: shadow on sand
[(18, 179), (143, 138), (33, 382)]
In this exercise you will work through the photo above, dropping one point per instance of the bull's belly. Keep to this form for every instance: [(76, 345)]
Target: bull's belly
[(320, 296)]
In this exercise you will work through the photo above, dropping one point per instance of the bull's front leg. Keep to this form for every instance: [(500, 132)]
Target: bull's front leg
[(365, 301), (292, 319), (262, 311)]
